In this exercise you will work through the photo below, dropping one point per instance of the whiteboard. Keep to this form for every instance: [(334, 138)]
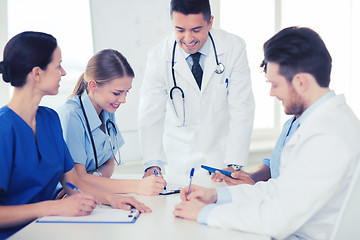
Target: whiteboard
[(132, 28)]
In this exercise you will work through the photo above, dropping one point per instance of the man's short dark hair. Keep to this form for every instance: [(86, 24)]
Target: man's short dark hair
[(299, 49), (187, 7)]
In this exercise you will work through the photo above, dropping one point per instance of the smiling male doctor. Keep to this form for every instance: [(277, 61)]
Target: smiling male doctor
[(213, 123)]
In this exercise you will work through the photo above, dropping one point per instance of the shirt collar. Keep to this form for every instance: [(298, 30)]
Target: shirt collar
[(91, 114), (204, 50), (107, 116), (316, 104)]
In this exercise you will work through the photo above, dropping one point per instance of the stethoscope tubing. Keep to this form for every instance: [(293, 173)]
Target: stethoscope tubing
[(108, 128), (90, 134), (219, 69), (216, 58)]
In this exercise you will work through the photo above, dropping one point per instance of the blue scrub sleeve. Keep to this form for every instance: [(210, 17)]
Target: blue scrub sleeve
[(6, 154), (74, 135), (68, 161)]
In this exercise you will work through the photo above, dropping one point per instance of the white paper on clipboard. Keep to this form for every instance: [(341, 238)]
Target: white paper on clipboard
[(99, 215)]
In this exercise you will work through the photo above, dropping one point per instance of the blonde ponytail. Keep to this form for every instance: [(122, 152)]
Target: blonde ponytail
[(80, 86)]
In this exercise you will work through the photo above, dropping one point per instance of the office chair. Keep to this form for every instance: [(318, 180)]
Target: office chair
[(347, 224)]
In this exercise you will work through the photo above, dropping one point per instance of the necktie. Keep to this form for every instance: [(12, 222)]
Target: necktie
[(196, 68)]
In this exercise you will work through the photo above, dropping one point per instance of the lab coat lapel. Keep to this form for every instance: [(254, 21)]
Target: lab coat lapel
[(306, 127), (287, 154), (182, 70), (209, 67), (210, 62)]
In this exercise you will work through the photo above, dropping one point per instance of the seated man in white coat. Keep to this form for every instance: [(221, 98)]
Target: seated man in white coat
[(317, 163)]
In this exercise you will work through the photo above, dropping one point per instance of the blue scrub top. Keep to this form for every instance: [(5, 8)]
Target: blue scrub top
[(77, 135), (30, 166)]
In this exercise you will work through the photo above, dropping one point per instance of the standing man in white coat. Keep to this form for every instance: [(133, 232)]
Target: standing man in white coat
[(196, 101), (317, 163)]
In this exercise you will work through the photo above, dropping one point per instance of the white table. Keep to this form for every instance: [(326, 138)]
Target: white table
[(158, 225)]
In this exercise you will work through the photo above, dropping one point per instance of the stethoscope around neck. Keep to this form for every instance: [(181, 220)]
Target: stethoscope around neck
[(108, 125), (219, 70)]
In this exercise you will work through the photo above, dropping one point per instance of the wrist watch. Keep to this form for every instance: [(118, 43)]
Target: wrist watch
[(235, 167)]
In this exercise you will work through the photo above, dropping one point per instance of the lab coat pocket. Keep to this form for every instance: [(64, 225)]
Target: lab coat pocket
[(219, 95)]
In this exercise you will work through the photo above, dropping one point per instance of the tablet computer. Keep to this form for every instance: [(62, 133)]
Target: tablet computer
[(211, 169)]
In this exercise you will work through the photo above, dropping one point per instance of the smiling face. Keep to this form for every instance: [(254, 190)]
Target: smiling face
[(110, 95), (284, 91), (191, 31), (51, 76)]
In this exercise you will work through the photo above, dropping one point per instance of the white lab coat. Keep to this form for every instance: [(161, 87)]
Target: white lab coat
[(219, 120), (317, 165)]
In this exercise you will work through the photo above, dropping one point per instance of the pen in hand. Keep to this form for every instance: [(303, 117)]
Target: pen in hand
[(191, 176), (156, 174), (75, 188)]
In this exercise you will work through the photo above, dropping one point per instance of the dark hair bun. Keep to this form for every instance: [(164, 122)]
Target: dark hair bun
[(5, 71), (2, 67)]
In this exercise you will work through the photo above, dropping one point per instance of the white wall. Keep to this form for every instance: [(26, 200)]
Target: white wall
[(3, 25), (131, 27), (4, 92)]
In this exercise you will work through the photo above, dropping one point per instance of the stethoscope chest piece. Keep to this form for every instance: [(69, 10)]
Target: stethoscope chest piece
[(220, 68)]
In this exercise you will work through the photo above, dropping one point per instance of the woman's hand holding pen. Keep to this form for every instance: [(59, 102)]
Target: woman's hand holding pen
[(151, 185), (128, 202), (74, 205)]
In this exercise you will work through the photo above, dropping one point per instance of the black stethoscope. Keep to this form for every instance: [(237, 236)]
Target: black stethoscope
[(108, 125), (219, 70)]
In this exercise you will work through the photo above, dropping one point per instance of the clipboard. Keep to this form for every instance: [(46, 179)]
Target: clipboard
[(171, 189), (169, 192), (98, 215)]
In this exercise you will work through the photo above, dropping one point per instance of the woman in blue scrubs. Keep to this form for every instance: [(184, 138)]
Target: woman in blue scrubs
[(90, 129), (33, 154)]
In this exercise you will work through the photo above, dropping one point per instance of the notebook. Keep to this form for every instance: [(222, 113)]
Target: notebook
[(98, 215)]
